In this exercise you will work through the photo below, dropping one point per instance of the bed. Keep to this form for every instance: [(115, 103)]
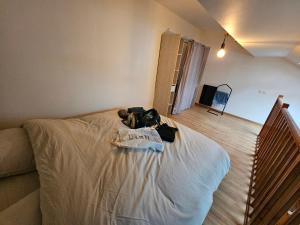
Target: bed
[(84, 179)]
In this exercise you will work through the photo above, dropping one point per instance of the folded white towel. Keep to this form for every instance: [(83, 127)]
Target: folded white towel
[(142, 138)]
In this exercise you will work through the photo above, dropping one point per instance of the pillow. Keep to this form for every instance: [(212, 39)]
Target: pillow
[(26, 211), (16, 154), (14, 188)]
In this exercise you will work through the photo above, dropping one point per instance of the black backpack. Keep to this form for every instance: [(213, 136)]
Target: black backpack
[(150, 118), (139, 119)]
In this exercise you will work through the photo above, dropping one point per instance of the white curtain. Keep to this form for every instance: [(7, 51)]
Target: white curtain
[(190, 77)]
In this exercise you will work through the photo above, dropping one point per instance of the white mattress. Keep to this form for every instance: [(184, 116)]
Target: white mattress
[(86, 180)]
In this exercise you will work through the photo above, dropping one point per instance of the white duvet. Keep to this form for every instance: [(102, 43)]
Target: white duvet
[(85, 180)]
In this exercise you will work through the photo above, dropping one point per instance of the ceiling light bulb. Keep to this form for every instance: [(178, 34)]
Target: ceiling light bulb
[(221, 53)]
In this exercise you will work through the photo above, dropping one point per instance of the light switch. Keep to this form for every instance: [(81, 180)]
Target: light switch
[(173, 87)]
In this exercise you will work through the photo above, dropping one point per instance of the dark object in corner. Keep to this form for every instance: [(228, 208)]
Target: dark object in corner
[(166, 132), (207, 95), (220, 99)]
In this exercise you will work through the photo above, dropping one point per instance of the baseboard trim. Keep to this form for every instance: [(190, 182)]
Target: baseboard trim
[(230, 114)]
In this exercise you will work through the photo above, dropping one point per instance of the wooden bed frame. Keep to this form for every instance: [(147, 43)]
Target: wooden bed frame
[(274, 193)]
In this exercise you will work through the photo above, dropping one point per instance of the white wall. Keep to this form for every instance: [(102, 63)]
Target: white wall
[(67, 57), (256, 82)]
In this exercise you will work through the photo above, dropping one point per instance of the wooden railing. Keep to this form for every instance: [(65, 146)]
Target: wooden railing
[(275, 181), (271, 118)]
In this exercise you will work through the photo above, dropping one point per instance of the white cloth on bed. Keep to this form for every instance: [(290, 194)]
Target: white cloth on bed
[(142, 138), (85, 180)]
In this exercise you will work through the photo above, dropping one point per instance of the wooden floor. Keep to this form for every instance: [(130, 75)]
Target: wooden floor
[(238, 138)]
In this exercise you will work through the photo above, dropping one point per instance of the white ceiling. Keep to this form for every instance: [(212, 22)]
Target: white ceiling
[(193, 12), (262, 27)]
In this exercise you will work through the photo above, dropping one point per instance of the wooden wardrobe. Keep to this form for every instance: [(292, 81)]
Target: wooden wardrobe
[(171, 55)]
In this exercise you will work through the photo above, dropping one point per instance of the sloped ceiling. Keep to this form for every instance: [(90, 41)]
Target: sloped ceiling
[(262, 27), (193, 12)]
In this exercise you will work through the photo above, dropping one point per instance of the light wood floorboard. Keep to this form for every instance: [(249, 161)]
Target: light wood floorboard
[(238, 137)]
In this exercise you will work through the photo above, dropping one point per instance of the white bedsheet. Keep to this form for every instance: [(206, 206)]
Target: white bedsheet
[(86, 180)]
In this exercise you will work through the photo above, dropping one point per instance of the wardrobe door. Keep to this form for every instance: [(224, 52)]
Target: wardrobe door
[(189, 77)]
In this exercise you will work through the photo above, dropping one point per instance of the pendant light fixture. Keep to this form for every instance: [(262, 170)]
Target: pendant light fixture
[(221, 53)]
